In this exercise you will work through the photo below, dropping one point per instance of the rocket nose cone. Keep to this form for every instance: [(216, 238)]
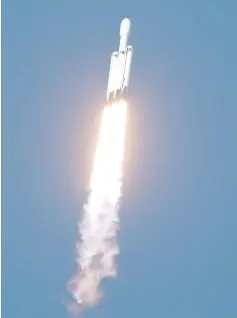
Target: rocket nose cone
[(125, 27)]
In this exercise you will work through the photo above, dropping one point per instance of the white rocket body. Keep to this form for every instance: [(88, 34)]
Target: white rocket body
[(120, 65)]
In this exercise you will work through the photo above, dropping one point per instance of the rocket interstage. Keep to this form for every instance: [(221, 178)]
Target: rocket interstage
[(120, 66)]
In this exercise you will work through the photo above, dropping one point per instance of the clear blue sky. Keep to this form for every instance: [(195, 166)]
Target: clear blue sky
[(178, 219)]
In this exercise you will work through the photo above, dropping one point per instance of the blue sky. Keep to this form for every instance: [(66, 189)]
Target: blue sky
[(178, 217)]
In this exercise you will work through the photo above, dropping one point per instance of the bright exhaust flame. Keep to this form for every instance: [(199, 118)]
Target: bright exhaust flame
[(97, 248)]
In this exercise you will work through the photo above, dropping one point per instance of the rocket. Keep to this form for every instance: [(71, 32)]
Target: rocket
[(120, 65)]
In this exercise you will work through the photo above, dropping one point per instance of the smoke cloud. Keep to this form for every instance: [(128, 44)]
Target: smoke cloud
[(97, 247)]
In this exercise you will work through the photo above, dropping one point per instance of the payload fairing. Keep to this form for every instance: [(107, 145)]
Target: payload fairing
[(120, 65)]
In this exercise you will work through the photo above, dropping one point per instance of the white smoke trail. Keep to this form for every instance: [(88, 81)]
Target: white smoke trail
[(97, 247)]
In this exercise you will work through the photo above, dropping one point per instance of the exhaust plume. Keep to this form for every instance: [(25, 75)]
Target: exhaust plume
[(97, 247)]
